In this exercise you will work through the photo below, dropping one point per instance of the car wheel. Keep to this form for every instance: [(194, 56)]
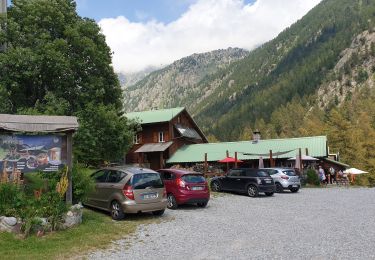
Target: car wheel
[(279, 188), (202, 204), (252, 191), (294, 190), (116, 211), (172, 203), (158, 212), (269, 194), (215, 186)]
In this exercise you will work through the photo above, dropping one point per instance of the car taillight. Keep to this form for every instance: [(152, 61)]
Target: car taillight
[(180, 183), (284, 177), (164, 193), (128, 191)]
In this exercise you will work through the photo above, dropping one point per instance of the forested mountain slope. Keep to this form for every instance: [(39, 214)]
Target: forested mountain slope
[(176, 84), (292, 66)]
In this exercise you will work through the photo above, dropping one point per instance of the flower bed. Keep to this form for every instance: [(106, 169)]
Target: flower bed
[(37, 205)]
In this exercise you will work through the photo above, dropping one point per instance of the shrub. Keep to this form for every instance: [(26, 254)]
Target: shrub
[(53, 208), (8, 197), (312, 178), (33, 181), (82, 183), (367, 179)]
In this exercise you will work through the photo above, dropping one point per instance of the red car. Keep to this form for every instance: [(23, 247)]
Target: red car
[(185, 187)]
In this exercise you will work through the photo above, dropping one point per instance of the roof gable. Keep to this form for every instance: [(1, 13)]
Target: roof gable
[(155, 116), (248, 150)]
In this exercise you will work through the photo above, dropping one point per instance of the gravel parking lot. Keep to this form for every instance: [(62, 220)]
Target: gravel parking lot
[(327, 223)]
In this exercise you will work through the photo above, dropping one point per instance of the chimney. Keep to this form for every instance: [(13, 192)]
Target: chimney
[(256, 136)]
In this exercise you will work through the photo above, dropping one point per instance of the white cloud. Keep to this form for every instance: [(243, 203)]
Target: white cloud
[(207, 25)]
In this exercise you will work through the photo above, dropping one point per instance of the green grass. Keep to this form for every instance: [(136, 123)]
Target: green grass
[(96, 232)]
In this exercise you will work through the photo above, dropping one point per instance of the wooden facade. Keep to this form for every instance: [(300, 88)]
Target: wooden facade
[(163, 140)]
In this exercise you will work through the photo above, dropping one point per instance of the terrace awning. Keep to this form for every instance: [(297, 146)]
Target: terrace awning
[(154, 147)]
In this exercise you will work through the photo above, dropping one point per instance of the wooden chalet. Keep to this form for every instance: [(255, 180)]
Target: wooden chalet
[(163, 133)]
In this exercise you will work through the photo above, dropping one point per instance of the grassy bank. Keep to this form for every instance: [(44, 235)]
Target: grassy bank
[(96, 231)]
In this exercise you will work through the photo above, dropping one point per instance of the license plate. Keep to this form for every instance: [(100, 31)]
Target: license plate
[(197, 188), (268, 181), (294, 186), (149, 196)]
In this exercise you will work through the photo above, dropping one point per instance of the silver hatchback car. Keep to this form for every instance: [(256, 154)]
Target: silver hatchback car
[(128, 190), (285, 179)]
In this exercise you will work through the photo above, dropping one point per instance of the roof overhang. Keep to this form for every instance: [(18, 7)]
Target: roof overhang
[(154, 147), (38, 124), (336, 162)]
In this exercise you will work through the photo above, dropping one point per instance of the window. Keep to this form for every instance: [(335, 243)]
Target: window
[(272, 172), (236, 173), (262, 174), (100, 176), (144, 180), (136, 139), (166, 175), (193, 178), (289, 172), (161, 137), (251, 173), (115, 176)]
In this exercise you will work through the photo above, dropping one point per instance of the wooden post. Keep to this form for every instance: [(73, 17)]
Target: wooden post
[(205, 164), (272, 163), (227, 162), (161, 160), (69, 164), (307, 151), (300, 159), (235, 159)]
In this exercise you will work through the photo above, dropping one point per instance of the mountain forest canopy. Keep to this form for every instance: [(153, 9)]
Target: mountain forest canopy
[(316, 77), (57, 63)]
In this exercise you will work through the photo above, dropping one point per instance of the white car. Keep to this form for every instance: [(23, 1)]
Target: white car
[(285, 179)]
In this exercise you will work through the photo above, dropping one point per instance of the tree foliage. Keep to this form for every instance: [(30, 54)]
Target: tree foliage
[(58, 63)]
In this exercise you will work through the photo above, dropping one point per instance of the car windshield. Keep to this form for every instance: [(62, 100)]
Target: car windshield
[(145, 180), (289, 172), (193, 178)]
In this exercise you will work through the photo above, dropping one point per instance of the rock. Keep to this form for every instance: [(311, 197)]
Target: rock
[(7, 224), (74, 216), (11, 221)]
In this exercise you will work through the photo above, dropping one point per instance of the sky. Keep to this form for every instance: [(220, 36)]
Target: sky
[(154, 33)]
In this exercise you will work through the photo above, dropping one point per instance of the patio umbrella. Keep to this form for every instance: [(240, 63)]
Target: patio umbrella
[(261, 163), (354, 171), (298, 162), (229, 160), (304, 158)]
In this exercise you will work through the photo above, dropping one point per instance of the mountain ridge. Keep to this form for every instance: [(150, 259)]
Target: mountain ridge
[(171, 85)]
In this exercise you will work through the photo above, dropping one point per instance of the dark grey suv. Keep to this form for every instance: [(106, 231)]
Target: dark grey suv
[(245, 180)]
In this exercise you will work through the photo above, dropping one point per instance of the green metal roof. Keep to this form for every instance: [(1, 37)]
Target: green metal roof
[(155, 116), (316, 145)]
